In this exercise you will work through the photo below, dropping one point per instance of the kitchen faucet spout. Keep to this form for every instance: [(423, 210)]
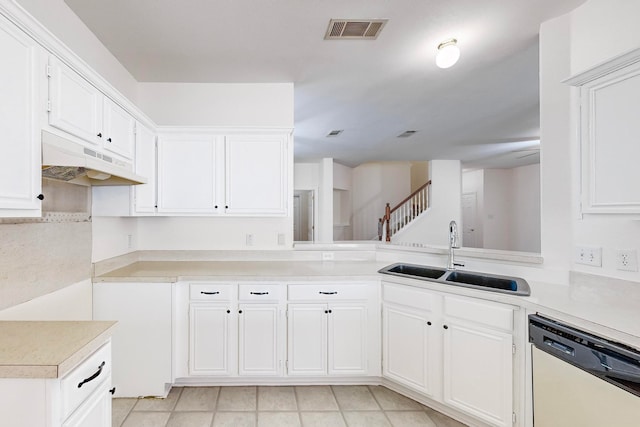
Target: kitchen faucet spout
[(454, 243)]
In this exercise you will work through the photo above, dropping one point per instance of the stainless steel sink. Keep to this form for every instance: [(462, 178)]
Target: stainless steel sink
[(467, 279), (417, 271)]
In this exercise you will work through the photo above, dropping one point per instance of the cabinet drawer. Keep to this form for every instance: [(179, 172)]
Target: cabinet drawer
[(260, 292), (211, 291), (411, 297), (78, 384), (328, 292), (494, 315)]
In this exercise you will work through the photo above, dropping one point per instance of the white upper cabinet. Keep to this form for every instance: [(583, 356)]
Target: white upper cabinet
[(119, 129), (145, 165), (256, 174), (20, 163), (187, 175), (205, 173), (77, 108), (609, 134)]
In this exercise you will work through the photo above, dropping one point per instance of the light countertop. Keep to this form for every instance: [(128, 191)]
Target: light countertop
[(48, 349), (601, 308)]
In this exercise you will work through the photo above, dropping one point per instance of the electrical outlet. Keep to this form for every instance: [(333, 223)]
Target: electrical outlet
[(627, 259), (249, 240), (281, 239), (130, 241), (589, 256), (327, 256)]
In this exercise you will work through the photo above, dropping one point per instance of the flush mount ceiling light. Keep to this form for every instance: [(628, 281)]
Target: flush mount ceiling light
[(448, 53)]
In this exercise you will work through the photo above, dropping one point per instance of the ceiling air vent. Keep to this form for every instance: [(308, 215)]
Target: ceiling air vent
[(407, 133), (335, 132), (363, 29)]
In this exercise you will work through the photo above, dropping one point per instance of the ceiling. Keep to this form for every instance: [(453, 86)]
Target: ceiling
[(480, 110)]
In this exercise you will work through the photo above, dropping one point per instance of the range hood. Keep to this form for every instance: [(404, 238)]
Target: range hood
[(64, 160)]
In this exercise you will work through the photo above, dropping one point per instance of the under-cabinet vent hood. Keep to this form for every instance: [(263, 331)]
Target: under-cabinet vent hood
[(67, 161)]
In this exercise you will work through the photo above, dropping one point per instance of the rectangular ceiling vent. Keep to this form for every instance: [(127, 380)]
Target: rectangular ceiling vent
[(355, 29), (335, 132), (407, 133)]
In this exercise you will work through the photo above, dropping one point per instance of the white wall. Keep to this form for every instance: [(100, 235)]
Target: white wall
[(525, 209), (375, 185), (58, 18), (446, 194), (419, 174), (218, 104), (592, 34), (497, 208), (473, 182), (73, 302), (111, 237)]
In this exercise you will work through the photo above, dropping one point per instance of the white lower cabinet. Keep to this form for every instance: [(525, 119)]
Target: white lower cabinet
[(142, 342), (235, 329), (333, 330), (453, 349), (81, 398)]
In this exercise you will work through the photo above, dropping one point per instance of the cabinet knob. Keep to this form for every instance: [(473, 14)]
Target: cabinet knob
[(40, 197), (240, 311), (112, 391), (330, 311), (100, 135), (445, 326), (228, 311), (108, 139), (216, 207), (226, 207), (429, 323), (326, 311)]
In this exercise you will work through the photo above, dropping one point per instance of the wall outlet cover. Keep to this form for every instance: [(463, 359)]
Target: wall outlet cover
[(249, 240), (328, 256), (627, 259), (588, 255)]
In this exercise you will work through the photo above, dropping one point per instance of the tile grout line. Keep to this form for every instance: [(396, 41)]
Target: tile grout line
[(339, 407)]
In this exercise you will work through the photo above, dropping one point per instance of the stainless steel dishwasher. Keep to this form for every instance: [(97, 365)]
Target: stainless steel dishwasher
[(582, 380)]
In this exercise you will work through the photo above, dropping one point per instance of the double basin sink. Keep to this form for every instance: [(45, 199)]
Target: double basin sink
[(467, 279)]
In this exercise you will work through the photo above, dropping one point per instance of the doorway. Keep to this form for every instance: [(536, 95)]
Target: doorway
[(470, 234), (304, 215)]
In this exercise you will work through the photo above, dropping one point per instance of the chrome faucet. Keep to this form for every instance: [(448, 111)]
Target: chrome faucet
[(454, 243)]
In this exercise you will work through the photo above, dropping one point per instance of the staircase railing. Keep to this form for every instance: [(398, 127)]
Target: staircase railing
[(403, 213)]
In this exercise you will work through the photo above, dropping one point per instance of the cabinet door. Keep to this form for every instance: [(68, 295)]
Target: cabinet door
[(478, 371), (256, 175), (259, 339), (95, 411), (20, 181), (211, 342), (307, 339), (76, 106), (409, 348), (347, 339), (145, 164), (119, 130), (186, 175), (141, 344)]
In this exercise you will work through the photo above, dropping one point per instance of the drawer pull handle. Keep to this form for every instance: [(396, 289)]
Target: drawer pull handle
[(92, 377), (112, 391), (259, 293), (328, 293), (209, 293)]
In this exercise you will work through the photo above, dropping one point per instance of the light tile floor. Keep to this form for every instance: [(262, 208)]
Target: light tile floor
[(300, 406)]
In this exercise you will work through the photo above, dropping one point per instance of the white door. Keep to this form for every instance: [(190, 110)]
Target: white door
[(347, 339), (470, 232), (186, 175), (76, 106), (95, 411), (145, 194), (119, 130), (478, 372), (212, 347), (141, 343), (307, 329), (259, 339), (256, 175), (409, 348), (297, 219), (20, 160)]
